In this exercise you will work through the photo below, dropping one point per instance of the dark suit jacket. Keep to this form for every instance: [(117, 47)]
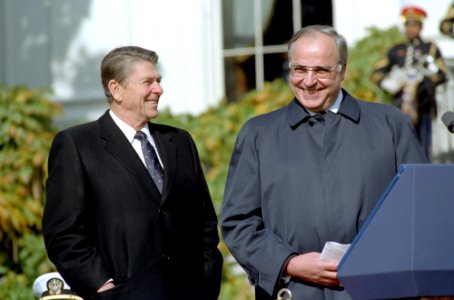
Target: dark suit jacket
[(296, 182), (104, 217)]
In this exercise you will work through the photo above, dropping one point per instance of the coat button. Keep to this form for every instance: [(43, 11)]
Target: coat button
[(165, 257), (162, 212)]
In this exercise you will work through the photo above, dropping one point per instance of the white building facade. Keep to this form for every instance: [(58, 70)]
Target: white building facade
[(60, 43)]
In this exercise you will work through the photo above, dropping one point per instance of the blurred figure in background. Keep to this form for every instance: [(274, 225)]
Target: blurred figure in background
[(446, 25), (411, 72)]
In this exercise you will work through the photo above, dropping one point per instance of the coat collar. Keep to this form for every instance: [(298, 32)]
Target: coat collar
[(349, 108)]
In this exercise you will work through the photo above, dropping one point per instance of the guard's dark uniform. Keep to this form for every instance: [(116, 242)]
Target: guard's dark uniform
[(420, 56)]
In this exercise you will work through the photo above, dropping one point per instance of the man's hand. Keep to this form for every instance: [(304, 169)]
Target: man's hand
[(106, 286), (309, 267)]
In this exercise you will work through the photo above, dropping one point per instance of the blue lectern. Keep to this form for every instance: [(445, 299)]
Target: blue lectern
[(406, 246)]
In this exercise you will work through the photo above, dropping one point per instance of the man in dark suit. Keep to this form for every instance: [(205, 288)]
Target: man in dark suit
[(411, 72), (310, 172), (108, 228)]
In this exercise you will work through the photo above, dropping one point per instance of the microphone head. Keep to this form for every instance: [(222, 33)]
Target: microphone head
[(448, 120)]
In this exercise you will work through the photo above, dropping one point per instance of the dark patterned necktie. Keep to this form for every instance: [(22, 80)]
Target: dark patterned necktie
[(317, 118), (151, 160)]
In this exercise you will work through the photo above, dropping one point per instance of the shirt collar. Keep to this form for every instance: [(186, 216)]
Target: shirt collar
[(128, 131), (416, 42), (344, 105), (334, 107)]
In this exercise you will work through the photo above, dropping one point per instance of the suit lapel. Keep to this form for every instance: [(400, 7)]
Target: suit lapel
[(120, 148)]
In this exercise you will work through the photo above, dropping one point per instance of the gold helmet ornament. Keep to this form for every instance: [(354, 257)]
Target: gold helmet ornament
[(411, 14), (52, 286)]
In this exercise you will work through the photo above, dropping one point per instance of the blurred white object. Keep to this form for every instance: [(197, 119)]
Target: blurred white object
[(52, 286), (40, 284), (395, 80)]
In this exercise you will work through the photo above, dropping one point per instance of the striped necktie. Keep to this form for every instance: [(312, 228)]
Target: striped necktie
[(151, 160)]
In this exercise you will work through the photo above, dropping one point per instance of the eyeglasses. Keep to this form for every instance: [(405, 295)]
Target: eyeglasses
[(320, 72)]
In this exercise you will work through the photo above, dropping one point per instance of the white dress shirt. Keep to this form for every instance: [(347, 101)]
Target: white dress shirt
[(130, 132)]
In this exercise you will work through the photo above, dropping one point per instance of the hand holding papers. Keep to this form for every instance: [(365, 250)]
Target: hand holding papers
[(333, 251)]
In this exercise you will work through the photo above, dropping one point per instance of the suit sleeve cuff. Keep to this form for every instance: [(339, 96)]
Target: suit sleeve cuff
[(284, 278)]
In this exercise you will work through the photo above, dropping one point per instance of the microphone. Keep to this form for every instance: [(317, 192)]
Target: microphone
[(448, 120)]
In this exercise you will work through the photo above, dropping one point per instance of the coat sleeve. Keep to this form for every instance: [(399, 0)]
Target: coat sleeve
[(212, 256), (256, 248), (407, 147), (440, 76), (382, 68), (66, 237)]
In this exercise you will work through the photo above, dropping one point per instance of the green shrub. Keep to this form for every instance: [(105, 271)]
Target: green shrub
[(25, 135)]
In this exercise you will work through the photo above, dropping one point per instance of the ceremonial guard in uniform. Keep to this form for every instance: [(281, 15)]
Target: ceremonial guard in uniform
[(411, 72)]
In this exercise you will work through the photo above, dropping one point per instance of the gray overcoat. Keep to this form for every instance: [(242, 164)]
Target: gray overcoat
[(296, 182)]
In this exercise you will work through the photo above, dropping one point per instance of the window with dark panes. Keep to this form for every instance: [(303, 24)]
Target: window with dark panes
[(255, 36)]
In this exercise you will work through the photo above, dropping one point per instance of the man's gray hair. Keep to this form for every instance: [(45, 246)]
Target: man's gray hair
[(342, 48), (119, 63)]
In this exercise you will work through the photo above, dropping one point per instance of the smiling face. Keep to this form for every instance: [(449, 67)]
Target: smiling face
[(315, 72), (413, 30), (136, 100)]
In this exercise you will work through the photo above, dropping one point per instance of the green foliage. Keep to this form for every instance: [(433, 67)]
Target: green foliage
[(363, 59), (34, 262), (15, 286), (25, 135)]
